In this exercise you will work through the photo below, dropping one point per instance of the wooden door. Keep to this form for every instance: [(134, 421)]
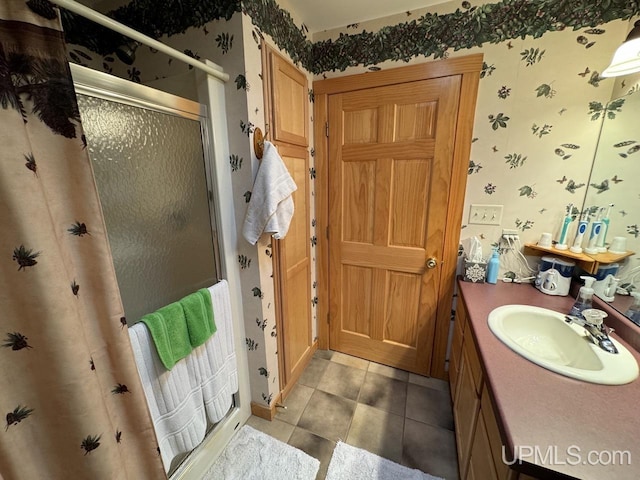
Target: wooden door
[(286, 99), (391, 155), (294, 272)]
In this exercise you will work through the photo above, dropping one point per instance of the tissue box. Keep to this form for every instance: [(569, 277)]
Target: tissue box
[(474, 271)]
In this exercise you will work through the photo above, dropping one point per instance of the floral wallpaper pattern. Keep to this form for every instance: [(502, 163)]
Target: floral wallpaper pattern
[(537, 118)]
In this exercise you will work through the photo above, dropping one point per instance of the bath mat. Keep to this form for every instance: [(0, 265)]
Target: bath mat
[(351, 463), (253, 455)]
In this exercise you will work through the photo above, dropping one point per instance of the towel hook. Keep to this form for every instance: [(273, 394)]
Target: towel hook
[(258, 141)]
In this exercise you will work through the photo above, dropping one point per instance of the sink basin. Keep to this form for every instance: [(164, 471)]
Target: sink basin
[(543, 337)]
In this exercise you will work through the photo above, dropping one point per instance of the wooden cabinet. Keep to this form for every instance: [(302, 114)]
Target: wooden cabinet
[(286, 99), (478, 438), (466, 404), (481, 462), (456, 349)]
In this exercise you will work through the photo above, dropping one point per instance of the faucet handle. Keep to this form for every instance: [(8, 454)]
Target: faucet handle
[(594, 316)]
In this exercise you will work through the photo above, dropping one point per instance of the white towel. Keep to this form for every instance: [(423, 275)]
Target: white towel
[(174, 398), (215, 361), (271, 206)]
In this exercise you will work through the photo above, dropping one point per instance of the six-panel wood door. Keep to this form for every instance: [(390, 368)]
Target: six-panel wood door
[(390, 167)]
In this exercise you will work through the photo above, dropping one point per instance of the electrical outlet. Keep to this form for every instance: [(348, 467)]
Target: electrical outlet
[(509, 231), (485, 214)]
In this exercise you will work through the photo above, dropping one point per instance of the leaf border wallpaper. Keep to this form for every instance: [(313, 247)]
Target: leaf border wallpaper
[(535, 129)]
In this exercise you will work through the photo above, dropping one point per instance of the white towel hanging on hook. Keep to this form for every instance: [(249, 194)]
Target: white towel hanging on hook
[(271, 206)]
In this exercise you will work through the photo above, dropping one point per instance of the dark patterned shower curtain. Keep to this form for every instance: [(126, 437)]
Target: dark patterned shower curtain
[(69, 390)]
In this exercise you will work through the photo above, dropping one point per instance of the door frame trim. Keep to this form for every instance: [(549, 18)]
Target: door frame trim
[(469, 67)]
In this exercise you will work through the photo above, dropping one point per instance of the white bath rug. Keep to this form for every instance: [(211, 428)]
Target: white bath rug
[(351, 463), (253, 455)]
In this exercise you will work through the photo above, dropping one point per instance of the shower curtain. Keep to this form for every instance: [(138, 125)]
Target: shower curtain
[(69, 390)]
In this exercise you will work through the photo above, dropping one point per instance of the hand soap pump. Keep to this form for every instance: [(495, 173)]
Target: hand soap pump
[(493, 267), (585, 297)]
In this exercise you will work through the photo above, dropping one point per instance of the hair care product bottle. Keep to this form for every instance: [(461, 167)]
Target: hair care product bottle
[(493, 267), (585, 297)]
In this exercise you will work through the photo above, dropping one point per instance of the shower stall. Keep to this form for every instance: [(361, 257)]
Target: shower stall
[(160, 171)]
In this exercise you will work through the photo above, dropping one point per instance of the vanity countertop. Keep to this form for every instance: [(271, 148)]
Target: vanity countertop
[(562, 418)]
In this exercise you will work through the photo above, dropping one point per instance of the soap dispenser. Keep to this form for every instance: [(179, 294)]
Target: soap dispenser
[(634, 310), (585, 297), (493, 267)]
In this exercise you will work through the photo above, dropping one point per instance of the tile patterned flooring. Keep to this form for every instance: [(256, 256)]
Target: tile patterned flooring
[(404, 417)]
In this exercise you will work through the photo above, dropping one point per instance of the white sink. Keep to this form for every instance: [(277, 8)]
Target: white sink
[(543, 337)]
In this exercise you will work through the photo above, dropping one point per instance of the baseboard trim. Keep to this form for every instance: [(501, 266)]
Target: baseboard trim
[(263, 411)]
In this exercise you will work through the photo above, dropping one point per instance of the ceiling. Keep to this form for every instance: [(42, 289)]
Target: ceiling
[(318, 15)]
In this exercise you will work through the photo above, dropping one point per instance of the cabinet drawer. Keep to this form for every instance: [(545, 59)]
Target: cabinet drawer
[(469, 348)]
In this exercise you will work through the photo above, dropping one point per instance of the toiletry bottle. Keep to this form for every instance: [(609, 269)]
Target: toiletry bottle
[(493, 267), (585, 297), (634, 310)]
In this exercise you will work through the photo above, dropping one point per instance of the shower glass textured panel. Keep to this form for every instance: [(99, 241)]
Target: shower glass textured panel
[(150, 173)]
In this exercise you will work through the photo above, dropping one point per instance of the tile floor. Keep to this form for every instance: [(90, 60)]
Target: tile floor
[(404, 417)]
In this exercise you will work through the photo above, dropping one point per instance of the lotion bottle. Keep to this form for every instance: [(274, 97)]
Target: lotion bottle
[(585, 297), (493, 267)]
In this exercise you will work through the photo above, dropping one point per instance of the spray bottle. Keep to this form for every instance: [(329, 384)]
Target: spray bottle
[(582, 228), (562, 242), (585, 297), (596, 226), (604, 230)]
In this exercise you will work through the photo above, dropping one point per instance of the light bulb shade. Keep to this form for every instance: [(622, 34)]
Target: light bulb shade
[(626, 60)]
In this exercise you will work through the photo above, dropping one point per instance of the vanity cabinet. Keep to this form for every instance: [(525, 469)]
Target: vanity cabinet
[(478, 437)]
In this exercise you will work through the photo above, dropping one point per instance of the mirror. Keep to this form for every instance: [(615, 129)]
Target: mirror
[(615, 179)]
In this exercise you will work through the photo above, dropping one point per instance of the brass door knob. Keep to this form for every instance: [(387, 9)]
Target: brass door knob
[(432, 262)]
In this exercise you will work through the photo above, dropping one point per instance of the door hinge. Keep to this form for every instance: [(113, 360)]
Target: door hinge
[(326, 128)]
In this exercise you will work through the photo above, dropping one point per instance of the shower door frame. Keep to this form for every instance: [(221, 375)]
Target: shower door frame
[(213, 129), (107, 87)]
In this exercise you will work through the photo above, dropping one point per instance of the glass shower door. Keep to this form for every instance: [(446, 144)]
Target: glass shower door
[(150, 171)]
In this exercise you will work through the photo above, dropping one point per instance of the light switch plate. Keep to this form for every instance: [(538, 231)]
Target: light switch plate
[(485, 214)]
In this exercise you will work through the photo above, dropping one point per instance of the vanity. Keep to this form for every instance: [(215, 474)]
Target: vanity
[(516, 420)]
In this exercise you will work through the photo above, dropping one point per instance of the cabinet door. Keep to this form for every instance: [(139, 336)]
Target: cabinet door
[(465, 411), (455, 359), (290, 102), (481, 461), (495, 440)]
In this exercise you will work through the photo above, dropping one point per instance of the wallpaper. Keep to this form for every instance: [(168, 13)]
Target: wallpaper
[(540, 105), (614, 176)]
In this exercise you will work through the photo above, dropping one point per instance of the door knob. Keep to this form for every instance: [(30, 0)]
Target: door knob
[(432, 262)]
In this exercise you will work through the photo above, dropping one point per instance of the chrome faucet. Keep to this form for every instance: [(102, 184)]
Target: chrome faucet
[(595, 327)]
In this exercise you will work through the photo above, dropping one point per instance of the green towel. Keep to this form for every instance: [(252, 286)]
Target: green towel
[(199, 315), (169, 331)]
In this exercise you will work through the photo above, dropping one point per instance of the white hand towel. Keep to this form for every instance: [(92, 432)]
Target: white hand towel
[(271, 206), (174, 398), (215, 361)]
